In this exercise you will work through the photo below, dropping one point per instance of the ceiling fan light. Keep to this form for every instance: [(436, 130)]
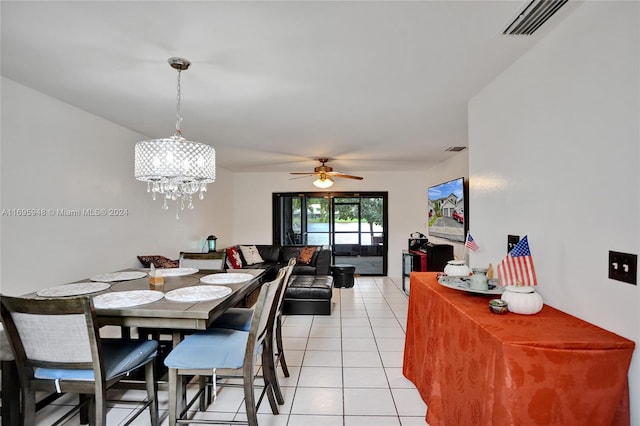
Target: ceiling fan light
[(323, 182)]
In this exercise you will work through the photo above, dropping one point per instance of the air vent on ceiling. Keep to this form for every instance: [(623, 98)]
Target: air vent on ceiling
[(533, 16), (456, 148)]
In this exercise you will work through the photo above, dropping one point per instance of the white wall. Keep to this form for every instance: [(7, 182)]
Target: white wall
[(79, 164), (55, 156), (407, 204), (554, 154)]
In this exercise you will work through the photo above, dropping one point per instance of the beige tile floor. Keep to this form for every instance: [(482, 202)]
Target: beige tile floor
[(346, 369)]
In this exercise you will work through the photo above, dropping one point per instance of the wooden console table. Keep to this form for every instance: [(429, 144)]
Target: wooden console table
[(473, 367)]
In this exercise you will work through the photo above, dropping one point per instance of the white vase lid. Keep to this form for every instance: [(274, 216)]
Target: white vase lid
[(456, 262)]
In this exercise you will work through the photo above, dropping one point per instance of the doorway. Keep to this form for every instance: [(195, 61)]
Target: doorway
[(352, 225)]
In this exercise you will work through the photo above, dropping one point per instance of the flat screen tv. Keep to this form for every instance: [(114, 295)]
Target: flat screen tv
[(447, 215)]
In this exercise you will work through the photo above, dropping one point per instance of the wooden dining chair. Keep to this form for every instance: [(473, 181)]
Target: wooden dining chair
[(279, 348), (10, 389), (212, 261), (240, 319), (226, 353), (57, 348)]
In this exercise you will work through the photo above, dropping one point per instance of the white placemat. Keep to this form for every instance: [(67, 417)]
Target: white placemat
[(118, 276), (176, 272), (126, 299), (74, 289), (228, 278), (198, 293)]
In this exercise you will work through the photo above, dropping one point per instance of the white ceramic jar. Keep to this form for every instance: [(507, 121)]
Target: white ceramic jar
[(522, 300), (456, 268)]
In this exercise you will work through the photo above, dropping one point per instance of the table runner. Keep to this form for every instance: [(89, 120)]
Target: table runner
[(472, 367)]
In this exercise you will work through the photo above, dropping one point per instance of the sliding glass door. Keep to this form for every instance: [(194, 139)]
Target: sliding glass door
[(353, 226)]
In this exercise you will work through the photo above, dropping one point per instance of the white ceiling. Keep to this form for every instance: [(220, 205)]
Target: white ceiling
[(273, 85)]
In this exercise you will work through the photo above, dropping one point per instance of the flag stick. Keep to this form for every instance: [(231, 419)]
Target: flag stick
[(466, 250)]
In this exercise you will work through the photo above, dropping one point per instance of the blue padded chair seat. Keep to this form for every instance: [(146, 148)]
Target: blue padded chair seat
[(119, 358), (206, 350), (235, 319)]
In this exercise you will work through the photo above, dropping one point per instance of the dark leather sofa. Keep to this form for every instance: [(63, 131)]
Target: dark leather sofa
[(310, 287), (276, 257), (308, 295)]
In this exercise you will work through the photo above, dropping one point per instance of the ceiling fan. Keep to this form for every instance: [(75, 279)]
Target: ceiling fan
[(325, 174)]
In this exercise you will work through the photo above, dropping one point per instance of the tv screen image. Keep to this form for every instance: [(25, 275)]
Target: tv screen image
[(447, 212)]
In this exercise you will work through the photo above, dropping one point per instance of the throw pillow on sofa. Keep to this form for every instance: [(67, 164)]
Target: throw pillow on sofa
[(251, 255), (233, 258), (306, 255), (158, 262)]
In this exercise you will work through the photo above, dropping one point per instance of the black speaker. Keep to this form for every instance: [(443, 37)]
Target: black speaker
[(437, 256)]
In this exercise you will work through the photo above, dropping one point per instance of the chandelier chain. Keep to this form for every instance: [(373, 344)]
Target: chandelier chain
[(178, 113)]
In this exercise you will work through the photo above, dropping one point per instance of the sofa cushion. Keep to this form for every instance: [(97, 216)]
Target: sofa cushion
[(233, 258), (251, 255), (304, 270), (270, 270), (290, 251), (306, 255), (269, 253), (306, 287), (275, 257)]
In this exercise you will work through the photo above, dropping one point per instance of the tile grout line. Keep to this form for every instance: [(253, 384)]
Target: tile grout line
[(395, 406)]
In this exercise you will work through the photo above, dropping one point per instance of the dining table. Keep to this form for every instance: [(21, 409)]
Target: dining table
[(128, 299), (186, 301)]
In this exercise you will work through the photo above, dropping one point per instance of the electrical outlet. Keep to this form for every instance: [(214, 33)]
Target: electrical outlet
[(512, 240), (623, 267)]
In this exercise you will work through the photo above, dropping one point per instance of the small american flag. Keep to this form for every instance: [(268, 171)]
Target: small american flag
[(471, 244), (517, 267)]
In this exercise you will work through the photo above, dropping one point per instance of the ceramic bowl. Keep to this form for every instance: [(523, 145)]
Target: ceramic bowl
[(457, 268), (498, 306)]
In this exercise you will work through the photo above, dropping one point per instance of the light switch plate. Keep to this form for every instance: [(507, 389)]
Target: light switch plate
[(623, 267), (512, 240)]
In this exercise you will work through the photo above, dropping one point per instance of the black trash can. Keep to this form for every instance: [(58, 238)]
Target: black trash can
[(343, 275)]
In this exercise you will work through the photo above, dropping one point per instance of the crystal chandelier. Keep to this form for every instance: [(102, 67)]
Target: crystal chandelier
[(174, 167)]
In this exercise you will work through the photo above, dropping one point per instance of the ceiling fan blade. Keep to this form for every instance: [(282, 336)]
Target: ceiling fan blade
[(342, 175), (325, 171)]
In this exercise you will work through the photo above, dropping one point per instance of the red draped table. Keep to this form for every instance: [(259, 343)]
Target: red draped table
[(473, 367)]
